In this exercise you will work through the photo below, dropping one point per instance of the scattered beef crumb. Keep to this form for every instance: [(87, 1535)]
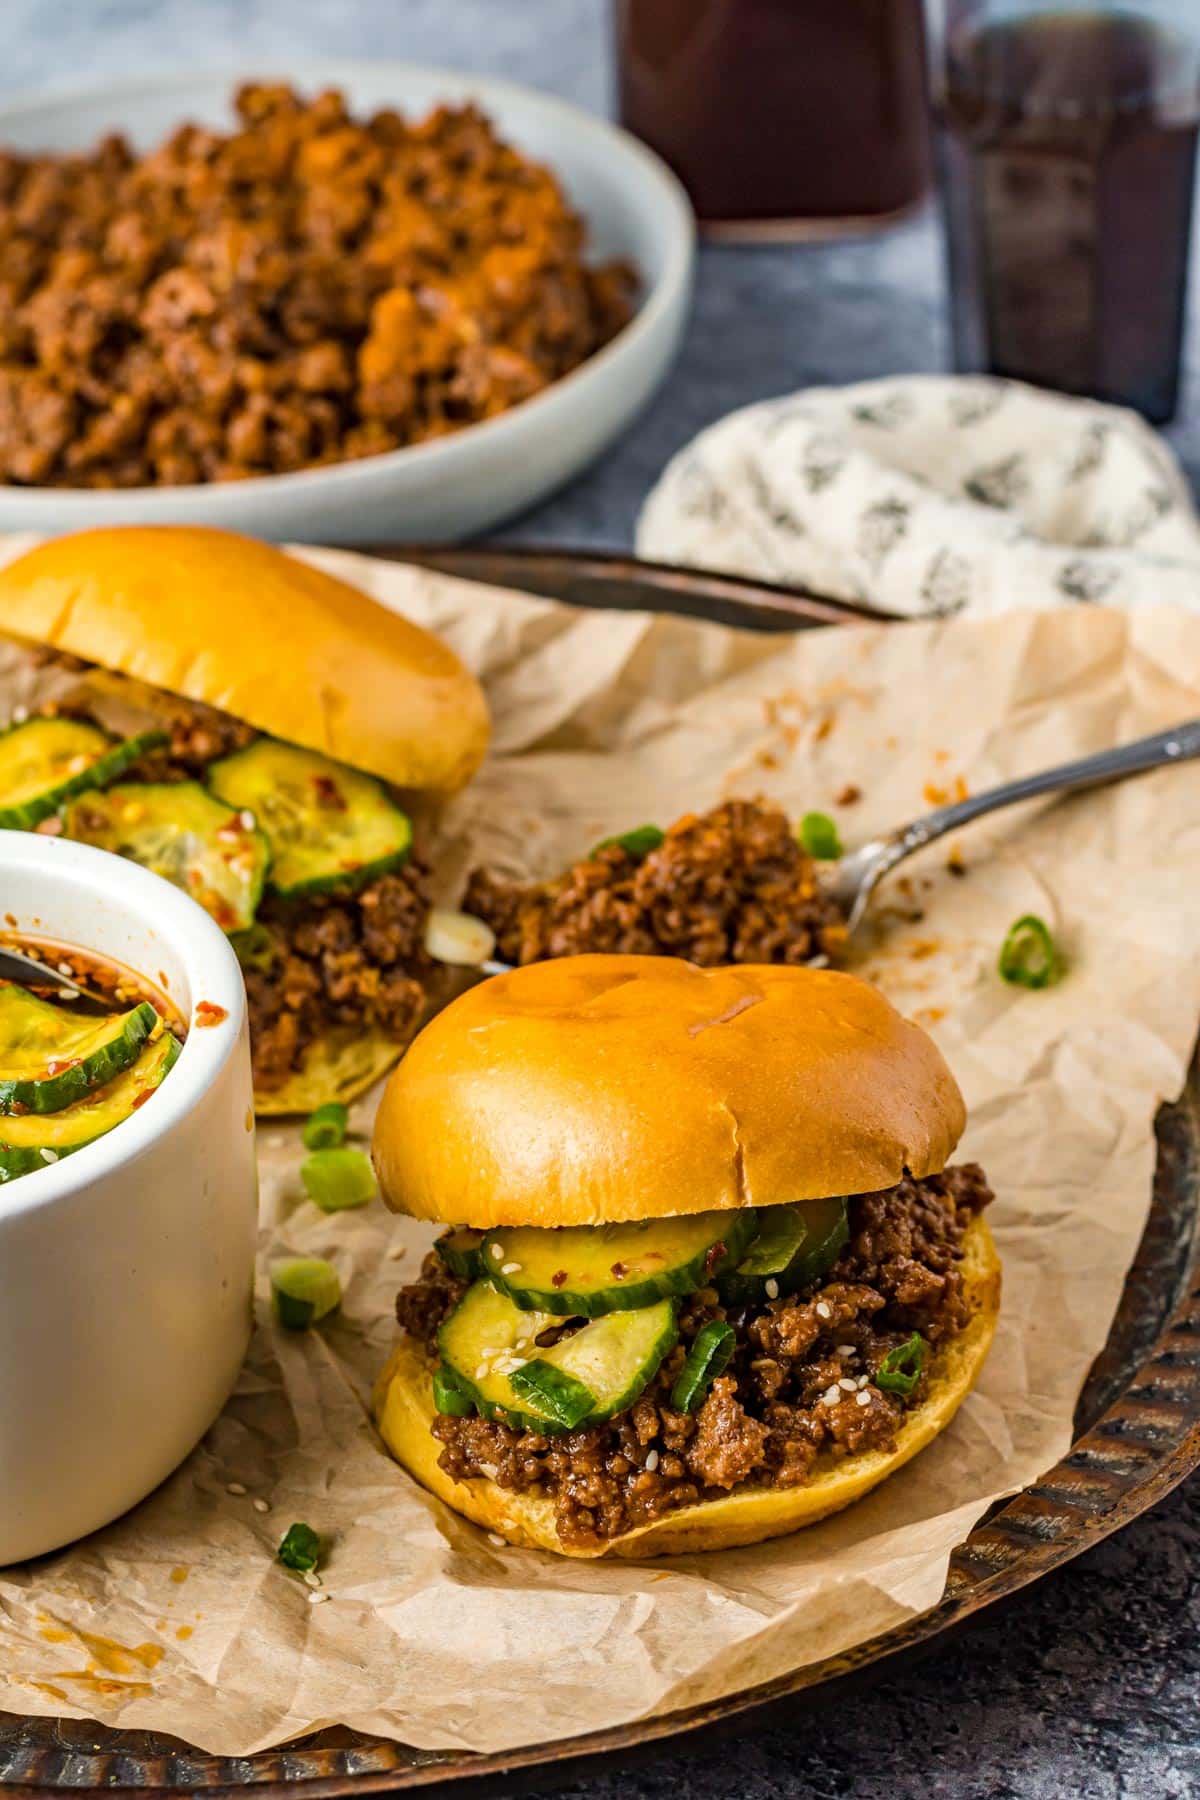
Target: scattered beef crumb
[(730, 885)]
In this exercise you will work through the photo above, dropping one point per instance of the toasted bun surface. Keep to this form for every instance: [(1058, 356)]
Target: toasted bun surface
[(599, 1088), (341, 1065), (240, 625), (404, 1411)]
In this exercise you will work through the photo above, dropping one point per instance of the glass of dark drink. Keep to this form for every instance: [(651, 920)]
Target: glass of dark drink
[(1067, 142), (782, 118)]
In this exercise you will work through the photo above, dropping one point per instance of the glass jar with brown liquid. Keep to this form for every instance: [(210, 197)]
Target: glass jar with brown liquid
[(782, 118), (1068, 147)]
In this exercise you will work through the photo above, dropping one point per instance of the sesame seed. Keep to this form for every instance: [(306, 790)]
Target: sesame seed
[(823, 1311), (846, 1350), (20, 714), (772, 1289), (481, 1372), (862, 1399), (311, 1578), (262, 1506), (69, 993), (396, 1252), (247, 820), (652, 1462), (48, 1156), (495, 1538), (64, 968), (496, 1250), (510, 1268), (235, 1488), (862, 1380), (831, 1396), (847, 1384), (277, 1140), (316, 1599)]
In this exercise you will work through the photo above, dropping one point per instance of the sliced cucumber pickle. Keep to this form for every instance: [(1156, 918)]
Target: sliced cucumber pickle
[(796, 1246), (611, 1360), (482, 1342), (25, 1138), (51, 1057), (329, 826), (828, 1230), (459, 1250), (43, 762), (489, 1348), (590, 1270), (181, 832)]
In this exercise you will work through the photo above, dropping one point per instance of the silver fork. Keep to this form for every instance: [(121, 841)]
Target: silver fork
[(853, 880), (857, 875)]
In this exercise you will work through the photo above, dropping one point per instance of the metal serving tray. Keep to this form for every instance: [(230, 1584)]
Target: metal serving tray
[(1137, 1423)]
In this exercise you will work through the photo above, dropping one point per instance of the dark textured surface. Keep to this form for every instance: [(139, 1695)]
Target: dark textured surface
[(1084, 1688), (1088, 1685)]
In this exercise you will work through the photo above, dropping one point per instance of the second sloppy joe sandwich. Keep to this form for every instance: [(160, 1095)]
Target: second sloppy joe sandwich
[(249, 727), (708, 1276)]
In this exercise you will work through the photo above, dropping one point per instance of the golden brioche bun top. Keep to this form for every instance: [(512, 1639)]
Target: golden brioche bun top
[(239, 625), (600, 1088)]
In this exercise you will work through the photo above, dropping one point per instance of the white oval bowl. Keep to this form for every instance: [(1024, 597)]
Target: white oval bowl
[(452, 486), (127, 1269)]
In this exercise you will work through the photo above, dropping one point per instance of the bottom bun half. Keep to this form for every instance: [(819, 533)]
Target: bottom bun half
[(404, 1411), (339, 1066)]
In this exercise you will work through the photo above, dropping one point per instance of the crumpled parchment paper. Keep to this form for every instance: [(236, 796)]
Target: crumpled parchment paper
[(178, 1618)]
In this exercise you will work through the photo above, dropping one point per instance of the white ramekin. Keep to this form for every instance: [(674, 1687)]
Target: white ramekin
[(126, 1270)]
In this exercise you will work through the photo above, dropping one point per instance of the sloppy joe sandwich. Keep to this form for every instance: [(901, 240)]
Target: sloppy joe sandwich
[(248, 727), (707, 1276)]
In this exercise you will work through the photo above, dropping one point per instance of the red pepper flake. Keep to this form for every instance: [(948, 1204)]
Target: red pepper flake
[(208, 1014), (18, 1109), (10, 919), (56, 1067), (558, 1279), (620, 1271), (328, 793), (142, 1098), (850, 795), (716, 1255)]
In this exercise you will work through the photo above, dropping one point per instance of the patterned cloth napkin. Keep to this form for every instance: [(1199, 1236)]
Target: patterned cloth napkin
[(929, 495)]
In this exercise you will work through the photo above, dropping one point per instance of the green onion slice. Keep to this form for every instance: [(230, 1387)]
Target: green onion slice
[(336, 1180), (900, 1370), (711, 1350), (636, 843), (558, 1394), (448, 1397), (304, 1289), (300, 1548), (1029, 956), (819, 836), (254, 947), (325, 1129)]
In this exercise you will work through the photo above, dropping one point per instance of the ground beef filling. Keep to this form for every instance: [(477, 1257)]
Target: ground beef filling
[(356, 961), (316, 964), (728, 886), (792, 1391)]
